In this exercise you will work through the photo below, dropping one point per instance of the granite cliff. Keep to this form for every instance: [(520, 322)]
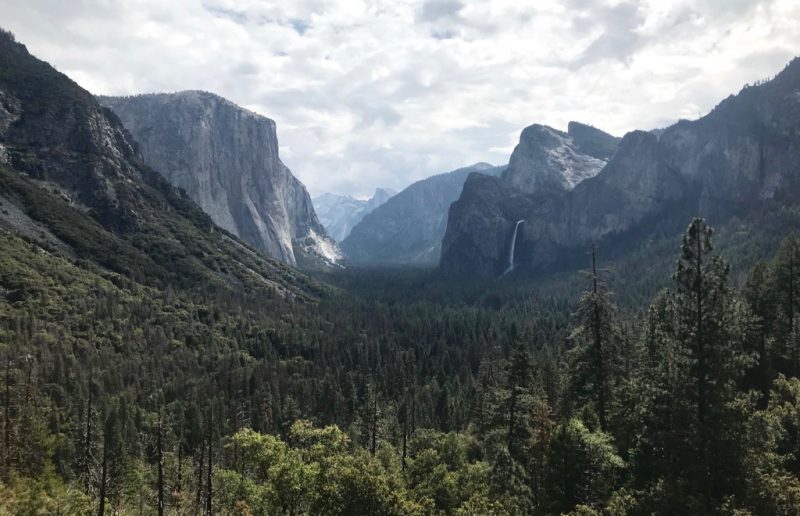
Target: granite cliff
[(746, 150), (72, 183), (226, 159), (547, 158), (409, 227)]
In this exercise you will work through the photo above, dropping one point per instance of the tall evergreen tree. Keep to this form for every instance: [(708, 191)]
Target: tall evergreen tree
[(759, 294), (596, 355), (786, 285), (692, 439)]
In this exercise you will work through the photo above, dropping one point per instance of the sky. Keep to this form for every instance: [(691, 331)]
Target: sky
[(382, 93)]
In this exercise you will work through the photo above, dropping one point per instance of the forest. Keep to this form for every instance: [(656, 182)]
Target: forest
[(398, 392)]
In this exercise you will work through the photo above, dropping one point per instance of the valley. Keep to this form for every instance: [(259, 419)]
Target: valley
[(605, 325)]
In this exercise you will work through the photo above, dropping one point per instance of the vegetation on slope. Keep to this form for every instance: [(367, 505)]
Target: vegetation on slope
[(125, 397)]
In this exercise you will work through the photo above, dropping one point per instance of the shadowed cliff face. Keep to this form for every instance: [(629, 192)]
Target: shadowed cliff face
[(409, 227), (226, 159), (72, 181), (746, 150)]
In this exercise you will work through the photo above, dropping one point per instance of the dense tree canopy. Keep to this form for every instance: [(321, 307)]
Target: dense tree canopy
[(431, 398)]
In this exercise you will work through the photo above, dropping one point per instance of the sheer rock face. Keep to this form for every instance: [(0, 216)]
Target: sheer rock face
[(409, 227), (226, 159), (546, 158), (746, 150), (72, 180)]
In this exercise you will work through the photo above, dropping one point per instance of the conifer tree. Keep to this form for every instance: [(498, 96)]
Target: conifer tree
[(786, 285), (596, 356), (760, 299), (518, 401), (691, 438)]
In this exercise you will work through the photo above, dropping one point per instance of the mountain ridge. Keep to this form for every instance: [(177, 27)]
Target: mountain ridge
[(744, 151), (340, 213), (74, 182), (409, 227)]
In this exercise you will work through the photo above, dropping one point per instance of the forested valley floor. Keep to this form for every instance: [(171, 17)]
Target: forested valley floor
[(400, 392)]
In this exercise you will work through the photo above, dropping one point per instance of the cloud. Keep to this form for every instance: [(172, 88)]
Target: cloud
[(619, 38), (369, 93), (435, 10)]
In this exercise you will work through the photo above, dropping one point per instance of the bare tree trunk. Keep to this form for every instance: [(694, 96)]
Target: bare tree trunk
[(103, 479), (7, 424), (598, 345), (209, 492), (374, 425), (179, 481), (199, 494), (405, 433), (87, 443), (160, 457)]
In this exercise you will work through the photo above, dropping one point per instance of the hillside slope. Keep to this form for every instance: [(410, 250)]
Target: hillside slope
[(73, 180), (409, 227)]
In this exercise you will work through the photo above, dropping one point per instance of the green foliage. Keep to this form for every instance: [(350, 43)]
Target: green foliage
[(596, 361), (449, 408), (319, 475), (773, 451), (145, 352), (47, 493), (583, 467)]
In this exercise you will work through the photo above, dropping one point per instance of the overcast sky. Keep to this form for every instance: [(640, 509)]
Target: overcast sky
[(383, 93)]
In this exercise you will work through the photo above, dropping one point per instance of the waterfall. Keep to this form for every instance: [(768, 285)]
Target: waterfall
[(513, 245)]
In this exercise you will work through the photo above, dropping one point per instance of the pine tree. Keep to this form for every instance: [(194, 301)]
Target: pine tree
[(596, 356), (786, 286), (759, 294), (691, 438), (518, 402)]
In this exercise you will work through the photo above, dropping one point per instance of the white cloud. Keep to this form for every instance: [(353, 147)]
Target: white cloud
[(373, 93)]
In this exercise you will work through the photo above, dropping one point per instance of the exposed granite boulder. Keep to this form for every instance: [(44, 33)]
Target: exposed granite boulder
[(226, 158)]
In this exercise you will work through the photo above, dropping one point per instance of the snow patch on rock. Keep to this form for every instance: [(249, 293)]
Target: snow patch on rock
[(574, 167)]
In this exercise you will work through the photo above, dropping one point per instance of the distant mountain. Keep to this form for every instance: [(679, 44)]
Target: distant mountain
[(725, 164), (409, 227), (72, 184), (340, 213), (226, 158)]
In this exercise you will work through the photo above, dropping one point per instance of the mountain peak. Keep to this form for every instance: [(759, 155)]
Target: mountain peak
[(340, 213), (547, 158), (481, 165), (592, 141), (409, 227)]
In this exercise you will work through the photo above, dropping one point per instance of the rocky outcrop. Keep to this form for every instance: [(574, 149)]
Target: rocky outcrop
[(409, 227), (340, 213), (544, 167), (73, 183), (226, 158), (546, 158), (745, 151)]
